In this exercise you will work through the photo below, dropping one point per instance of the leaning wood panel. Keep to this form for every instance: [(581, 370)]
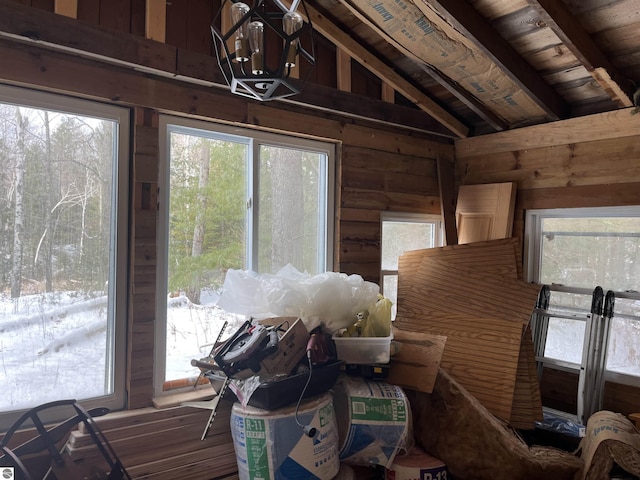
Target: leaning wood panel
[(479, 353), (499, 257), (483, 314), (485, 212), (486, 295), (527, 403)]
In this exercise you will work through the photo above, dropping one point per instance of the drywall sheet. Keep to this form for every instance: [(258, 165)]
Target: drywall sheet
[(439, 45)]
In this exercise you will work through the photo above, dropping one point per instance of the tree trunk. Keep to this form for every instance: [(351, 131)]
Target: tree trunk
[(199, 228), (288, 209), (18, 216), (48, 240)]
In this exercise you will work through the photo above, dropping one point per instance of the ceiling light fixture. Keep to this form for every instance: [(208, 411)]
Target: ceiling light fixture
[(265, 42)]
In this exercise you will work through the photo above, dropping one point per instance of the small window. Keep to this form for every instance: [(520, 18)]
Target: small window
[(574, 251), (402, 232)]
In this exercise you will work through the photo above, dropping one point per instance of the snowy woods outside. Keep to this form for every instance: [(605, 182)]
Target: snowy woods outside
[(56, 223)]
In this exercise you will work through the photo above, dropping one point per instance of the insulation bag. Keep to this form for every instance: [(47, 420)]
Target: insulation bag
[(270, 445), (374, 421)]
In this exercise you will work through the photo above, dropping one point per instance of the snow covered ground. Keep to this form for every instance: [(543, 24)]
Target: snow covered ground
[(53, 346)]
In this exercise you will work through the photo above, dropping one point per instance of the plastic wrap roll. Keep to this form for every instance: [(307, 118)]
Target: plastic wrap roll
[(270, 445), (374, 421)]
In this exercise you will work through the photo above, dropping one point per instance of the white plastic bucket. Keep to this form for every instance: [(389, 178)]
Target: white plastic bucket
[(270, 445)]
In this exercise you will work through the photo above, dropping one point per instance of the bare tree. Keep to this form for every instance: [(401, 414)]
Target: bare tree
[(18, 216), (287, 228), (201, 208)]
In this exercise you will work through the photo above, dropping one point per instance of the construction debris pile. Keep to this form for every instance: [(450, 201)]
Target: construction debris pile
[(441, 391)]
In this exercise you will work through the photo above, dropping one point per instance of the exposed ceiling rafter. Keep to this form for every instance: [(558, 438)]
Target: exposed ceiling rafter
[(359, 53), (564, 24), (464, 18), (452, 87)]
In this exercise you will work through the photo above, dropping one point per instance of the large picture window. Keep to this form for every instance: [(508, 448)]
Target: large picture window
[(63, 231), (232, 199)]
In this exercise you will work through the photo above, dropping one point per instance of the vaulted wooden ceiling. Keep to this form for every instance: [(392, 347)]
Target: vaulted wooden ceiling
[(493, 65), (469, 67)]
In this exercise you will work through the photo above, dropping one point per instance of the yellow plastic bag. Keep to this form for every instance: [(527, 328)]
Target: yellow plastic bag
[(378, 322)]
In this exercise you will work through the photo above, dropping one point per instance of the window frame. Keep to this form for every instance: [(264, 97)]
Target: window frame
[(532, 266), (117, 315), (408, 217), (254, 139)]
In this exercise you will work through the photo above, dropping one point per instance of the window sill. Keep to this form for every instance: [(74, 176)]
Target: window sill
[(178, 398)]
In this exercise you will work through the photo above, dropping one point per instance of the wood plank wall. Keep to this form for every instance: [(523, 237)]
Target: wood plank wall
[(588, 161), (380, 168)]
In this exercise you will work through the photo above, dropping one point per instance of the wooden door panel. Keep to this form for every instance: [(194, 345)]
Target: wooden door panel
[(485, 212)]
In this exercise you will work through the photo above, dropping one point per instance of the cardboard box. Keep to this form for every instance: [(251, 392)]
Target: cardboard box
[(292, 346)]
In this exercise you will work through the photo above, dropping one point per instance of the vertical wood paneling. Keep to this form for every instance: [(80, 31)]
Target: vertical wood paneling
[(89, 11), (138, 17), (325, 70), (363, 82), (177, 24), (143, 258), (155, 20), (199, 17), (43, 4), (116, 14)]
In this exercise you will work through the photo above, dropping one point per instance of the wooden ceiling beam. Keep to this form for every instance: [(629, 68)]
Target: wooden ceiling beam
[(559, 18), (464, 18)]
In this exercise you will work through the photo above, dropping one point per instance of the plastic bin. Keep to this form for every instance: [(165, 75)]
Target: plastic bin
[(363, 350)]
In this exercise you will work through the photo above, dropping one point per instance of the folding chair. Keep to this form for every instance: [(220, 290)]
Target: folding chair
[(52, 440)]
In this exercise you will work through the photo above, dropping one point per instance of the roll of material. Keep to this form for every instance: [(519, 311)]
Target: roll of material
[(416, 465), (270, 445), (374, 421)]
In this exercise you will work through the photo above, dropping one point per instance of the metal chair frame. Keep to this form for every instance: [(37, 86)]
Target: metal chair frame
[(47, 439)]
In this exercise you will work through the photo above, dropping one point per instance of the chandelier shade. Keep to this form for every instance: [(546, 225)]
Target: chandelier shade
[(266, 41)]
